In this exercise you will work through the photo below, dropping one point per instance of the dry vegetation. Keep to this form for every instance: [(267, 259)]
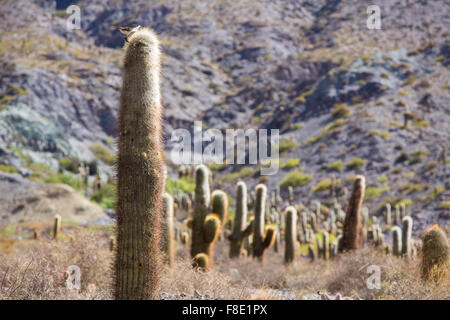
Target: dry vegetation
[(34, 269)]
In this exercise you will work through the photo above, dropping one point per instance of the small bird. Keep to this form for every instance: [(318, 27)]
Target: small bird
[(128, 31)]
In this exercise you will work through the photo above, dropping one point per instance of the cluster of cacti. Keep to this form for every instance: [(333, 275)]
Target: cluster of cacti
[(206, 225), (139, 171)]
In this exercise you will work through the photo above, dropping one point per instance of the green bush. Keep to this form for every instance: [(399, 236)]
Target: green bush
[(335, 166), (374, 192), (323, 185), (287, 145), (402, 158), (69, 164), (356, 163), (380, 133), (290, 163), (8, 169), (295, 179), (341, 111), (383, 179), (63, 179), (444, 205), (186, 185), (106, 196), (103, 154), (244, 172)]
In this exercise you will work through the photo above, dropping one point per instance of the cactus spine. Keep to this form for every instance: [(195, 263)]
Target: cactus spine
[(290, 234), (261, 241), (406, 236), (435, 264), (397, 241), (139, 171), (240, 230), (57, 227), (168, 239), (352, 233)]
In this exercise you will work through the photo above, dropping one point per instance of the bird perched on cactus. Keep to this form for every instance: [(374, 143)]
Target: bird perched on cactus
[(128, 31)]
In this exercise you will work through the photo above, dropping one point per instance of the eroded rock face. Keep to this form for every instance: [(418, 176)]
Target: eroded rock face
[(22, 200)]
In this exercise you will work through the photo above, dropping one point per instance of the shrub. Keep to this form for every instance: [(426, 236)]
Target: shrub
[(383, 179), (444, 205), (217, 167), (106, 196), (374, 192), (103, 154), (411, 187), (335, 166), (295, 179), (69, 164), (356, 163), (186, 185), (402, 158), (290, 163), (433, 194), (244, 172), (8, 169), (322, 185), (341, 111), (287, 145), (70, 180), (380, 133)]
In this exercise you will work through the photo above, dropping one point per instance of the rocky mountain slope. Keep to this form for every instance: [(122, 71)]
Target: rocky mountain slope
[(337, 90)]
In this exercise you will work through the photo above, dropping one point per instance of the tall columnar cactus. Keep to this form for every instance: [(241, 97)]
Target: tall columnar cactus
[(365, 216), (56, 226), (435, 264), (139, 171), (219, 204), (290, 234), (388, 215), (397, 215), (406, 236), (240, 228), (397, 241), (168, 244), (261, 240), (352, 233), (314, 224), (402, 210), (205, 226)]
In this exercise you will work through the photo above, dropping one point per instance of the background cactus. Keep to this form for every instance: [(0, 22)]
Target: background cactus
[(56, 227), (290, 234), (206, 226), (139, 171), (435, 264), (406, 236), (261, 240), (201, 261), (219, 203), (240, 229), (168, 244), (388, 215), (352, 233), (397, 241)]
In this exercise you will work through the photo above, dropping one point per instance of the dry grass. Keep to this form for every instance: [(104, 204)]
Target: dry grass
[(32, 269)]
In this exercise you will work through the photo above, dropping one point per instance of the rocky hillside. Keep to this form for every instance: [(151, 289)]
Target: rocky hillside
[(338, 91)]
